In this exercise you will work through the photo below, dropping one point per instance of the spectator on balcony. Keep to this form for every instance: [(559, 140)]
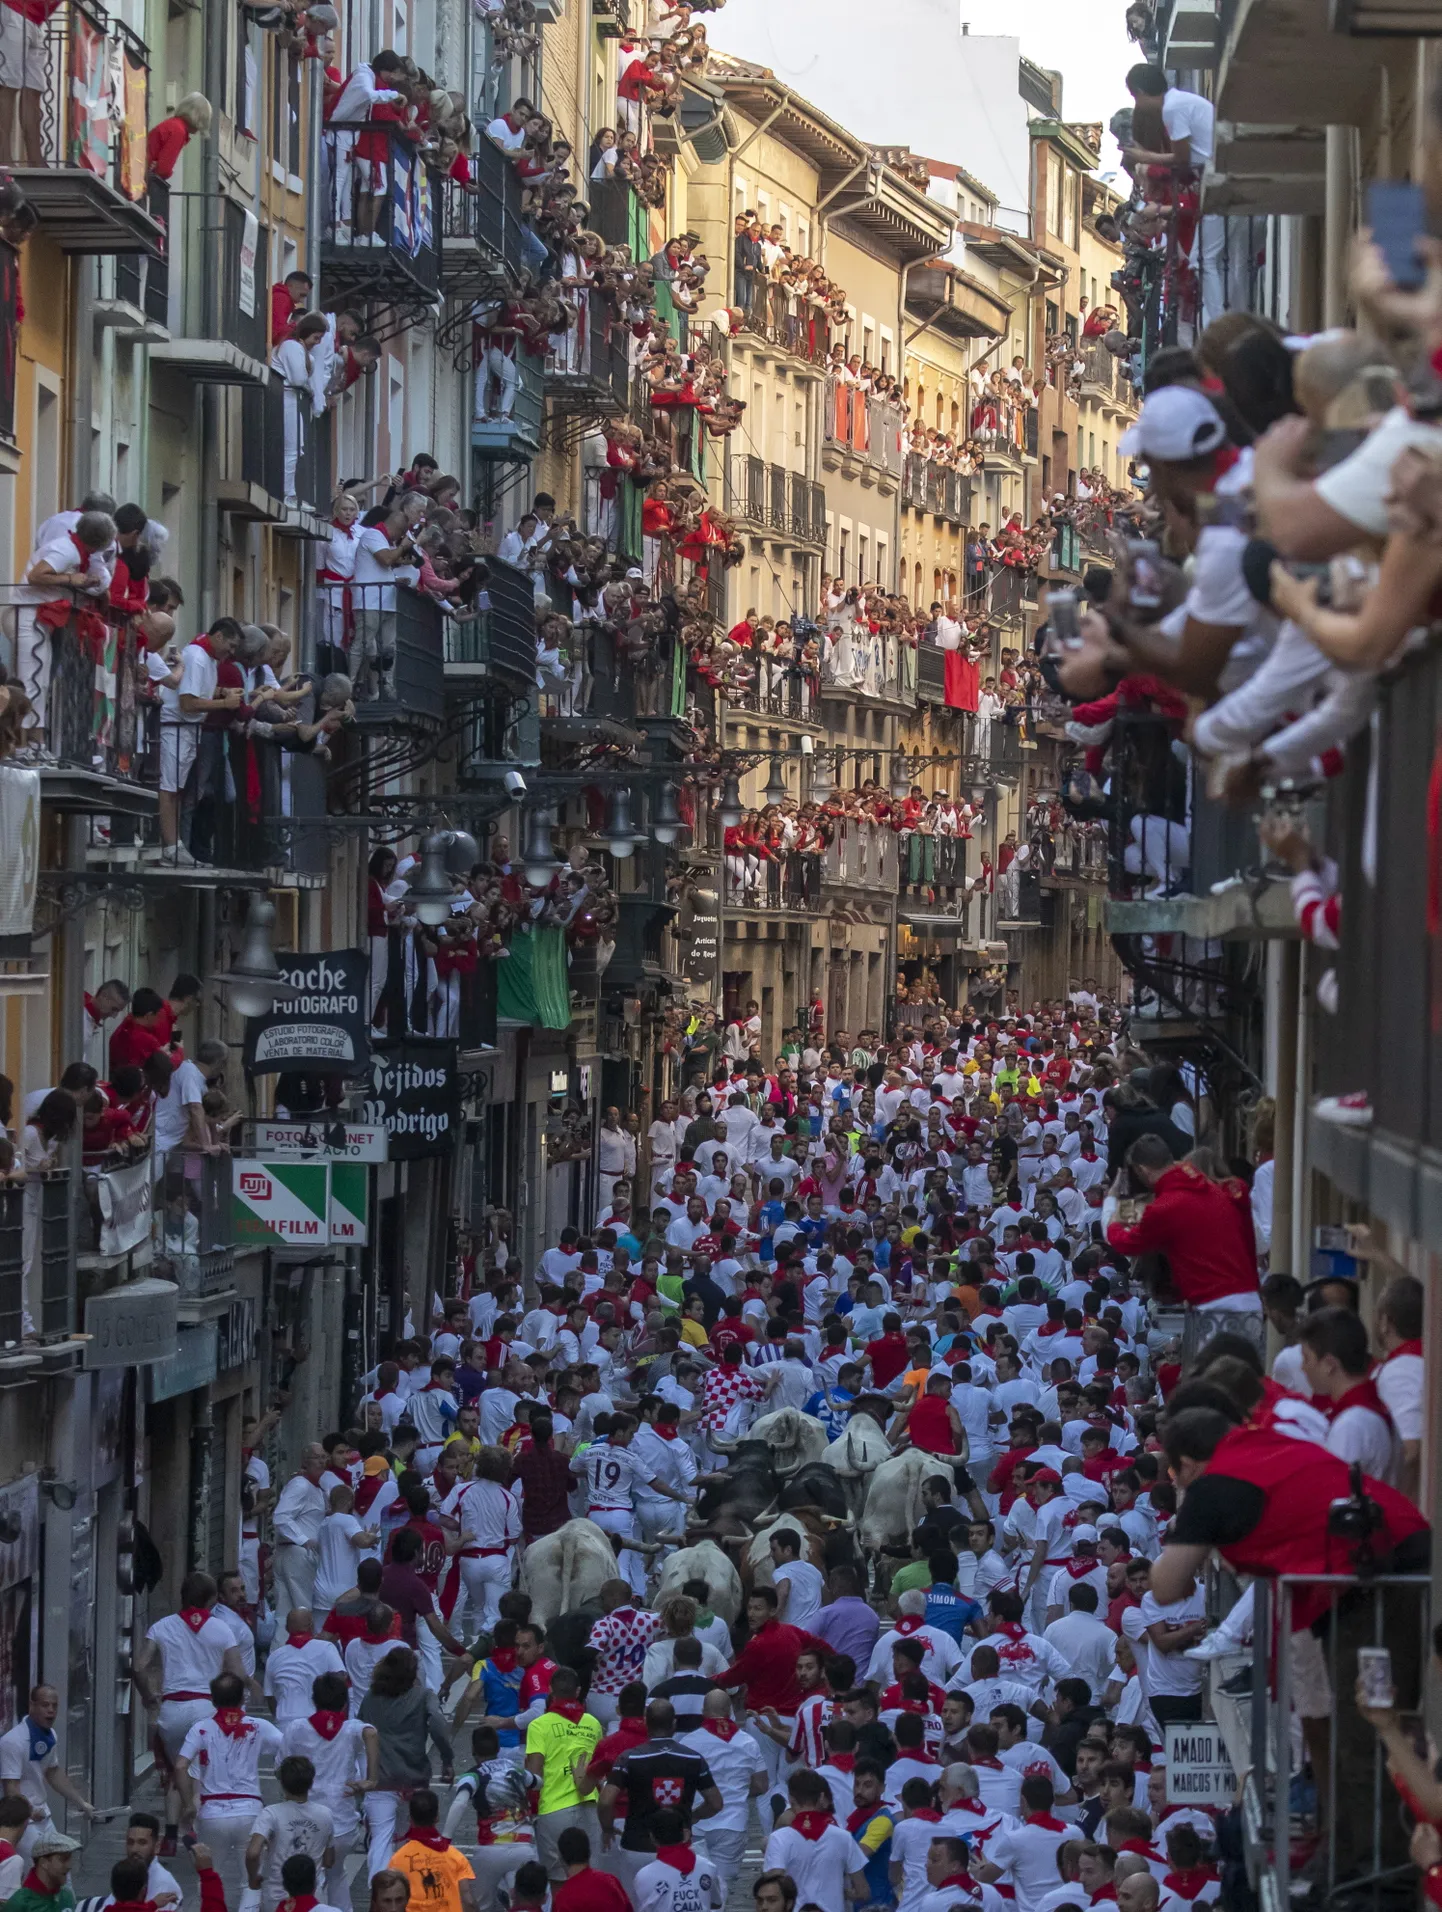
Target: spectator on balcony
[(77, 1080), (333, 579), (180, 1118), (183, 709), (288, 301), (111, 999), (292, 359), (24, 76), (508, 130), (168, 138), (359, 173), (379, 561), (66, 572)]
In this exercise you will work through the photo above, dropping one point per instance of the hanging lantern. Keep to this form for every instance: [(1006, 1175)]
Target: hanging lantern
[(823, 779), (900, 778), (431, 890), (254, 978), (666, 824), (775, 791), (730, 806), (463, 853), (621, 837), (537, 856)]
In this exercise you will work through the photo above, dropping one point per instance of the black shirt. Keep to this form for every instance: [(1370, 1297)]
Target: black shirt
[(687, 1693), (935, 1533), (654, 1777), (1217, 1510)]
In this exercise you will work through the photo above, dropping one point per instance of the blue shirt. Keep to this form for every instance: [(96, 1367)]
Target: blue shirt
[(947, 1609), (833, 1419)]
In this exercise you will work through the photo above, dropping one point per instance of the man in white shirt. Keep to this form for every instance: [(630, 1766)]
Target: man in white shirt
[(738, 1766), (183, 710), (296, 1521), (1338, 1367), (373, 590), (179, 1119), (1189, 120), (30, 1766), (1174, 1682), (293, 1666), (1084, 1641), (820, 1868), (1400, 1375)]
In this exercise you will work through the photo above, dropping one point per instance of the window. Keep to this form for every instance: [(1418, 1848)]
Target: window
[(45, 465), (843, 552), (803, 236), (1054, 171), (888, 345), (783, 214), (763, 208), (740, 204), (868, 342), (285, 106)]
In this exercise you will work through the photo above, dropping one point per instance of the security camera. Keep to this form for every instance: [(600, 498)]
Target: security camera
[(808, 746), (515, 783)]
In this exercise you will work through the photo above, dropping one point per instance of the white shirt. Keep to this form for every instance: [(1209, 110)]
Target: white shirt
[(187, 1086), (226, 1766), (16, 1763), (658, 1887), (1361, 1434), (1088, 1644), (241, 1637), (803, 1601), (1027, 1853), (190, 1657), (819, 1868), (158, 1880), (198, 671), (289, 1827), (336, 1761), (374, 583), (291, 1670), (1400, 1382), (1191, 117), (734, 1762), (299, 1511), (1173, 1675)]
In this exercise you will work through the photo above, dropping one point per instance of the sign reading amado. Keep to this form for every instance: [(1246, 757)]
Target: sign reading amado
[(415, 1096), (323, 1026)]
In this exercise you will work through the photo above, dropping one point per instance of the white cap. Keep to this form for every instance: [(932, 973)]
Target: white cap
[(1083, 1531), (1176, 423)]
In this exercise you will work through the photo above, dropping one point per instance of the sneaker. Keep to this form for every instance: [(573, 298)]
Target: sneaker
[(1212, 1647), (1239, 1685), (1352, 1111), (166, 1848)]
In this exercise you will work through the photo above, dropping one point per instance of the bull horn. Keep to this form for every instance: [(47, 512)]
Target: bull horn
[(719, 1446), (831, 1520)]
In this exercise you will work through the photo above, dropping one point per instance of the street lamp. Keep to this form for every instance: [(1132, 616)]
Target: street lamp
[(666, 824), (537, 856), (823, 780), (900, 778), (254, 979), (431, 891), (775, 791), (621, 836), (730, 806), (463, 853)]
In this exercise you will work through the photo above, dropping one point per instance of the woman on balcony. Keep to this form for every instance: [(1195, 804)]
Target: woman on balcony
[(291, 358)]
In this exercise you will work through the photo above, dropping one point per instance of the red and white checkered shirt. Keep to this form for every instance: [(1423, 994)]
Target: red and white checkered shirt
[(621, 1638), (723, 1388)]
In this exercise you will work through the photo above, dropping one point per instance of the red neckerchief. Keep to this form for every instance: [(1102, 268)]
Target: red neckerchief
[(1361, 1394), (1226, 457), (680, 1858), (987, 1760), (195, 1617), (426, 1836), (812, 1824), (1108, 1892), (299, 1639), (203, 644), (668, 1430), (959, 1881), (82, 551), (1148, 1852), (843, 1762), (930, 1815), (1047, 1822), (232, 1721), (911, 1624), (1012, 1629), (1188, 1883), (720, 1728), (568, 1709), (1078, 1567), (34, 1883), (1051, 1327), (302, 1902), (1402, 1347), (328, 1724)]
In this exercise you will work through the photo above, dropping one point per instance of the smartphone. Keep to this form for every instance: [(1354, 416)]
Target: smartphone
[(1374, 1676), (1061, 610), (1146, 586), (1397, 218)]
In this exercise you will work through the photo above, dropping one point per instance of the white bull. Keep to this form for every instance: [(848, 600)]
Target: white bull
[(894, 1506), (703, 1561), (794, 1439), (567, 1569), (855, 1457)]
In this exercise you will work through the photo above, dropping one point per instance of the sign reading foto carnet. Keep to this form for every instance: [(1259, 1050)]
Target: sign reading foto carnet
[(279, 1203), (1199, 1768)]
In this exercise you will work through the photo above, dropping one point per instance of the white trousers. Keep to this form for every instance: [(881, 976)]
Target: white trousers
[(381, 1812), (631, 1563), (485, 1581), (494, 364), (292, 1577), (227, 1834)]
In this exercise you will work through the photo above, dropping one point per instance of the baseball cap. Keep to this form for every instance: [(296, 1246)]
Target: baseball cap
[(1083, 1531), (1176, 423)]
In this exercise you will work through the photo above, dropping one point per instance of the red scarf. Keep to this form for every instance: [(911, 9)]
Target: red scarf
[(1360, 1394), (1047, 1822), (928, 1813), (668, 1430), (427, 1836), (1402, 1347), (1108, 1893), (503, 1658), (328, 1724), (812, 1824), (1188, 1884), (1051, 1327), (843, 1762), (34, 1883), (1012, 1629), (232, 1721), (568, 1709), (911, 1624), (721, 1728), (299, 1639), (1079, 1566), (989, 1761), (195, 1617), (204, 644), (302, 1902), (1148, 1852), (680, 1858)]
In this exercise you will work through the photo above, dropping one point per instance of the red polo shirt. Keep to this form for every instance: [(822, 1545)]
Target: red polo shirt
[(766, 1667)]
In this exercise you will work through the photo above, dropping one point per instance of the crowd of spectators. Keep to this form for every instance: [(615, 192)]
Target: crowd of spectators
[(784, 295)]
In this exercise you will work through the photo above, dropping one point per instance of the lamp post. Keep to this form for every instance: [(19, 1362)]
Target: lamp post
[(254, 979)]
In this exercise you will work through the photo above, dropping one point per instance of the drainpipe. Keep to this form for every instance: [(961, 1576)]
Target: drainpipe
[(209, 398), (1337, 223)]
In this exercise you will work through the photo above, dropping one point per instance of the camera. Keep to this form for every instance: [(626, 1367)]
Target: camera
[(515, 783), (1357, 1522)]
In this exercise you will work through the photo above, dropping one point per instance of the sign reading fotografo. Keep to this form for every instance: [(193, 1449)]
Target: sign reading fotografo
[(415, 1096), (323, 1027)]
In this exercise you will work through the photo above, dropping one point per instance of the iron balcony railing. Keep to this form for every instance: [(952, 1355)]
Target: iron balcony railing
[(783, 883), (857, 423), (1099, 371), (862, 855), (82, 159), (769, 496), (262, 452), (482, 227), (779, 689), (872, 664), (194, 1228), (378, 217), (405, 630), (784, 317), (590, 369), (500, 639), (212, 281), (930, 862)]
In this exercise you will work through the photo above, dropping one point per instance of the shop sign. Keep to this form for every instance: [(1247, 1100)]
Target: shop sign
[(323, 1026), (281, 1203), (349, 1203), (1199, 1768), (193, 1365), (415, 1096), (131, 1326), (337, 1141), (235, 1334)]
